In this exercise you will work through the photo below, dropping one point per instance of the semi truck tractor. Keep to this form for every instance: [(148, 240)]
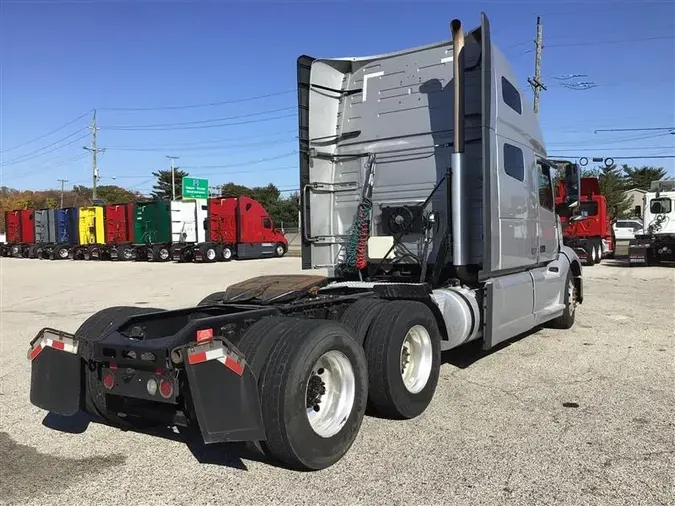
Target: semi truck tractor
[(20, 232), (65, 234), (118, 226), (427, 221), (11, 246), (656, 243), (188, 228), (589, 230), (91, 232), (239, 227)]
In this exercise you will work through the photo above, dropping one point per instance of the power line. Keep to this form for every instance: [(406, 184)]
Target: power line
[(633, 129), (598, 43), (262, 120), (42, 169), (29, 156), (222, 147), (252, 162), (199, 122), (15, 161), (205, 104), (178, 145), (47, 134)]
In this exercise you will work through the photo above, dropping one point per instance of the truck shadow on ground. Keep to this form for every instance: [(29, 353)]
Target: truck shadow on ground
[(221, 454), (468, 354), (27, 473)]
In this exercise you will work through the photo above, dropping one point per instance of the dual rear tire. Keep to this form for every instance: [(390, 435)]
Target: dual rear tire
[(316, 377)]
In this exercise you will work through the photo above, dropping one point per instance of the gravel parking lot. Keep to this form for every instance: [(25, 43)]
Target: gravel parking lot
[(558, 417)]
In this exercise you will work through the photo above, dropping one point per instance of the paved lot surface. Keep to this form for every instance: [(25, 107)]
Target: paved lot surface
[(497, 432)]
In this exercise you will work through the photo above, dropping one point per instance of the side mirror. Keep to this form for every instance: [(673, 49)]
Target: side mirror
[(637, 211), (572, 184)]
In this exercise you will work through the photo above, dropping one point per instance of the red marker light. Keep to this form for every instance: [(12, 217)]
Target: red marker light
[(204, 335), (108, 380), (165, 388)]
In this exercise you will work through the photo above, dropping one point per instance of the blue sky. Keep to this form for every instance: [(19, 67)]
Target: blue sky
[(60, 59)]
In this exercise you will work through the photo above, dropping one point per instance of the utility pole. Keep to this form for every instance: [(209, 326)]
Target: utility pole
[(173, 176), (536, 82), (62, 181), (94, 152)]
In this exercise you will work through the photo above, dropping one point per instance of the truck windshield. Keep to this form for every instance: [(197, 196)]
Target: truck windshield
[(661, 205), (588, 208)]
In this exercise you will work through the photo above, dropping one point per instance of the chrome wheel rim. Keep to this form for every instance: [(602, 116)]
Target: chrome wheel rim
[(210, 254), (227, 253), (163, 253), (571, 302), (330, 393), (280, 250), (416, 358)]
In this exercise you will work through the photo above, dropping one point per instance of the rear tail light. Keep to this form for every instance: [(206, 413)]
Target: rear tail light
[(165, 388), (108, 380)]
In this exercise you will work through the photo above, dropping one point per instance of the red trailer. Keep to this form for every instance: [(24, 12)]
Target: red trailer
[(119, 232), (589, 231), (239, 227)]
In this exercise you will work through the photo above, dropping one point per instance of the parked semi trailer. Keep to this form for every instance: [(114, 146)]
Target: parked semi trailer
[(239, 227), (91, 232), (427, 196), (656, 243), (188, 228), (589, 230)]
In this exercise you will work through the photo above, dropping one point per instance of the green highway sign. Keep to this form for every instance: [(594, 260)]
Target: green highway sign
[(195, 188)]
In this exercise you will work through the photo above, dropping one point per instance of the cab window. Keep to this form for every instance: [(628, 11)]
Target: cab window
[(545, 188), (662, 205), (588, 208), (267, 223)]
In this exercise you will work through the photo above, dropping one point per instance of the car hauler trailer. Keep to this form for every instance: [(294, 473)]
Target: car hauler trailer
[(91, 232), (435, 232), (188, 227), (589, 230), (239, 227), (656, 243)]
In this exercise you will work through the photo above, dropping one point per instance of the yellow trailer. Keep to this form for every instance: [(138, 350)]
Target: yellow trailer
[(91, 231)]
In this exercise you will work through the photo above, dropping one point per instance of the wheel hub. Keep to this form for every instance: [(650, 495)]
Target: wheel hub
[(416, 359), (330, 393)]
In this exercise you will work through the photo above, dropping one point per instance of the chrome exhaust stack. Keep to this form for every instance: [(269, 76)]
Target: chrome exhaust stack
[(460, 227)]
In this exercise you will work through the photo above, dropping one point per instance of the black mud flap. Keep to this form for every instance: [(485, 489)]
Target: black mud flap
[(56, 372), (638, 255), (224, 393)]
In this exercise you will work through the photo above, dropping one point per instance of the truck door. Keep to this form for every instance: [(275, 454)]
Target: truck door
[(547, 237)]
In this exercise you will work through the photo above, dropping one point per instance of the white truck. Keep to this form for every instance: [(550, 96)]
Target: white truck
[(427, 196), (656, 242), (188, 227)]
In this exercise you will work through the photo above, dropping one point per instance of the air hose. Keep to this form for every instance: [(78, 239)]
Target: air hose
[(357, 243)]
